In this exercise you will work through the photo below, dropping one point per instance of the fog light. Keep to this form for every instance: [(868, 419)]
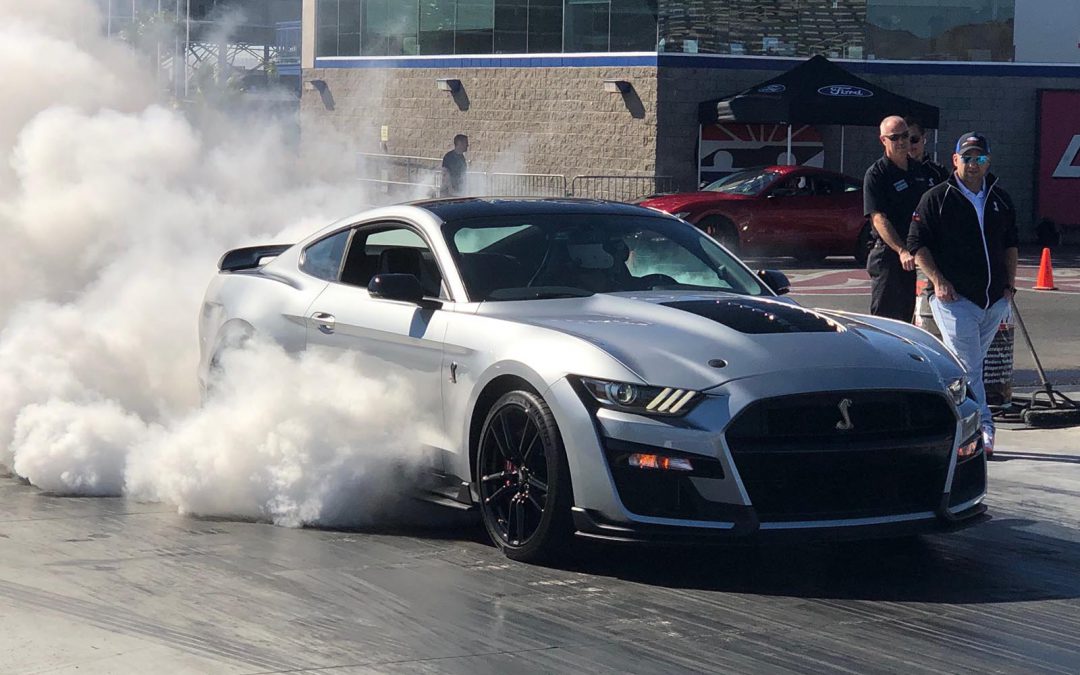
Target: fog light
[(640, 460), (969, 449)]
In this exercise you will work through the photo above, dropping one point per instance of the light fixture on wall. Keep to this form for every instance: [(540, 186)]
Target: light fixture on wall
[(617, 86), (315, 85), (448, 84)]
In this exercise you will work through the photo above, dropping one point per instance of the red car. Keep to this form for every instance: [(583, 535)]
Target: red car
[(801, 211)]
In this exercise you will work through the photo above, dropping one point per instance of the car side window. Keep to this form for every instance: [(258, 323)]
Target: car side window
[(323, 258), (392, 249), (825, 185)]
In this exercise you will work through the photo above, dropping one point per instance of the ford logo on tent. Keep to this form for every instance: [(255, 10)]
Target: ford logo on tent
[(844, 90), (772, 89)]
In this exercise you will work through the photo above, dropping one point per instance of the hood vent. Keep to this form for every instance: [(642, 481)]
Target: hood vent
[(757, 317)]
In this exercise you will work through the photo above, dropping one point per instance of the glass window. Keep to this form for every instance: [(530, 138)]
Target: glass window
[(389, 27), (511, 26), (349, 28), (323, 258), (545, 26), (437, 26), (956, 30), (475, 27), (392, 249), (587, 24), (326, 17), (633, 25)]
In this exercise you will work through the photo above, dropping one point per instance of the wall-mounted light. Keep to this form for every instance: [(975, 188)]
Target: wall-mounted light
[(617, 86), (448, 84), (315, 85)]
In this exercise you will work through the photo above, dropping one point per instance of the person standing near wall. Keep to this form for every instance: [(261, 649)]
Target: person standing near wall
[(917, 152), (964, 237), (454, 168), (892, 187)]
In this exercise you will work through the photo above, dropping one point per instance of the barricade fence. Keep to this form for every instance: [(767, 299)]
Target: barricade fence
[(411, 177)]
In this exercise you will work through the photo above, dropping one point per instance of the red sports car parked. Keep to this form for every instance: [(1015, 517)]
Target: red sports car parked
[(802, 211)]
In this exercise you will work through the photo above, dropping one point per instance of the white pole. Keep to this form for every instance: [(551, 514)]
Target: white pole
[(701, 131), (935, 145), (842, 127), (790, 159)]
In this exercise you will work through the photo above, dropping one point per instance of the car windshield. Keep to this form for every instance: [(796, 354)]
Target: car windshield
[(748, 182), (552, 255)]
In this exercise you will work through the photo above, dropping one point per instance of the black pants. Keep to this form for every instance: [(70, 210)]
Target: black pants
[(892, 288)]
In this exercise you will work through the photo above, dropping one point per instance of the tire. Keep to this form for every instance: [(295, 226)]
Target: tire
[(523, 479), (723, 231), (862, 245)]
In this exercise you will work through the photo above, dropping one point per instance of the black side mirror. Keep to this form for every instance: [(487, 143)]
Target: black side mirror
[(776, 280), (403, 287)]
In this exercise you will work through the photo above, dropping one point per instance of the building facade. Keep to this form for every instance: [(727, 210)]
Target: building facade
[(534, 79)]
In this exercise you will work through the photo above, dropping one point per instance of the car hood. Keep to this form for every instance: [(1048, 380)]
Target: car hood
[(671, 338), (684, 200)]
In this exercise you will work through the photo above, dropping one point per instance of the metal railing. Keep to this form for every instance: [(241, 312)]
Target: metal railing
[(410, 177), (620, 188), (515, 184)]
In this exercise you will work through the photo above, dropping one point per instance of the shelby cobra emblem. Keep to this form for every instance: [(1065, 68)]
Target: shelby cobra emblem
[(845, 424)]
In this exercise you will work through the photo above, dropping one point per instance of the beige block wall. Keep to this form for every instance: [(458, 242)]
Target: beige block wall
[(522, 120)]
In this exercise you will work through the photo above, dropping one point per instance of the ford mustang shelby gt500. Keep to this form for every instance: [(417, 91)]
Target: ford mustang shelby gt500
[(611, 371)]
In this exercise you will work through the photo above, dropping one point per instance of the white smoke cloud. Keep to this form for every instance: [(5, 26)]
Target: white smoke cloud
[(114, 208)]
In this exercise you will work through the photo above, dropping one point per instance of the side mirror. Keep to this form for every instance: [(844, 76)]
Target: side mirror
[(776, 280), (403, 287)]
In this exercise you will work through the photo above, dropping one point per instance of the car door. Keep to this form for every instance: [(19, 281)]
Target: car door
[(398, 341), (787, 221)]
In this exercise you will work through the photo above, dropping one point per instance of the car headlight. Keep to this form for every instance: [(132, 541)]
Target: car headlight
[(957, 388), (640, 398)]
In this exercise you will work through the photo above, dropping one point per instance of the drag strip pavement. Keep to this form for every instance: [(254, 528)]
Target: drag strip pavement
[(855, 281), (106, 585)]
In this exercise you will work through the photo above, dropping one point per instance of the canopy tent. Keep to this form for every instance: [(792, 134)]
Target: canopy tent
[(815, 92)]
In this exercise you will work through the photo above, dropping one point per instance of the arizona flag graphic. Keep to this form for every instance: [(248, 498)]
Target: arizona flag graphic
[(730, 147)]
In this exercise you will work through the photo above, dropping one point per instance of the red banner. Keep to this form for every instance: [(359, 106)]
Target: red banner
[(1058, 182)]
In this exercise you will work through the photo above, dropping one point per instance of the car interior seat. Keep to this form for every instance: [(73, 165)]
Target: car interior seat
[(409, 260)]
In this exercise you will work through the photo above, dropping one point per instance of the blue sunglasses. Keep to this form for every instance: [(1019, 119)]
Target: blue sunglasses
[(978, 159)]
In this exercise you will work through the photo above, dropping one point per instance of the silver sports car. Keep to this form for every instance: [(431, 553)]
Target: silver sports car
[(610, 371)]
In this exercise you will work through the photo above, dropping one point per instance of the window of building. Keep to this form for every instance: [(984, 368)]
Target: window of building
[(511, 26), (545, 26), (475, 27), (633, 25), (437, 26), (587, 25)]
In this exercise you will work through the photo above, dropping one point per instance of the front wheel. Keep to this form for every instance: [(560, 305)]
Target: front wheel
[(523, 479), (723, 231)]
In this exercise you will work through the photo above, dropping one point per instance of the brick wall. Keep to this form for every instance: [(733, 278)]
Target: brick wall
[(560, 120)]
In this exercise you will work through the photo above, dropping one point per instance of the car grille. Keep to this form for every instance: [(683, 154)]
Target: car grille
[(800, 458)]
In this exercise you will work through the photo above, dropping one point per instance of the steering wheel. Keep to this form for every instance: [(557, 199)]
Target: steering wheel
[(649, 281)]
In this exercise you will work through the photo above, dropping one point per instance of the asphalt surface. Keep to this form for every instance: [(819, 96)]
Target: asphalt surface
[(106, 585)]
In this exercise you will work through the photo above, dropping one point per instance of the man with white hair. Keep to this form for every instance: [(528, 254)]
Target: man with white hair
[(891, 191)]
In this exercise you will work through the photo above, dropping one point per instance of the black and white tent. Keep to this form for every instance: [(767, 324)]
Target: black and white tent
[(815, 92)]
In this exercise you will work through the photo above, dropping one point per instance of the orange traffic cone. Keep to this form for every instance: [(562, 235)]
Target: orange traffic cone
[(1045, 280)]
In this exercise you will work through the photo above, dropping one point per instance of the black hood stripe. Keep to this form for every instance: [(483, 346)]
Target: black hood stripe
[(756, 318)]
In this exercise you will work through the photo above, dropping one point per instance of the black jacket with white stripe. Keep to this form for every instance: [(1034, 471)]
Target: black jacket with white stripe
[(971, 257)]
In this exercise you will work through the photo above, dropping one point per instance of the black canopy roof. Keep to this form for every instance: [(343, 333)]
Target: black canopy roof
[(816, 92)]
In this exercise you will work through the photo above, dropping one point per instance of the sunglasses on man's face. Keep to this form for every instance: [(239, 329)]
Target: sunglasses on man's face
[(915, 139), (981, 160), (896, 138)]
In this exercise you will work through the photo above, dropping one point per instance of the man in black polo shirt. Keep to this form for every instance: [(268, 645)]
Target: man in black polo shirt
[(454, 167), (891, 191)]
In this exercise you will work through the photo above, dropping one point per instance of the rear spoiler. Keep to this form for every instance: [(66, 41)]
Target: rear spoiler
[(249, 257)]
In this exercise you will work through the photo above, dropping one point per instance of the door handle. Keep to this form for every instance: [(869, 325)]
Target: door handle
[(324, 321)]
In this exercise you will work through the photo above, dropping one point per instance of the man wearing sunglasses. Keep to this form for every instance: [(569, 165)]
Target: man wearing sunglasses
[(963, 235), (892, 187), (917, 153)]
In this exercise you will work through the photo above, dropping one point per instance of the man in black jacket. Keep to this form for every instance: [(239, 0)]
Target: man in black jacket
[(891, 190), (963, 235), (917, 152)]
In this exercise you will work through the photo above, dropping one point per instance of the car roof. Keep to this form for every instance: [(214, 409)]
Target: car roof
[(472, 207)]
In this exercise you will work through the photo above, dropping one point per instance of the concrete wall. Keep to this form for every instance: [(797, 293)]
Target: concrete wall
[(523, 120)]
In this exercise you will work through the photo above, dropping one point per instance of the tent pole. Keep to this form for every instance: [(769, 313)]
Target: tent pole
[(842, 148), (700, 133), (790, 159)]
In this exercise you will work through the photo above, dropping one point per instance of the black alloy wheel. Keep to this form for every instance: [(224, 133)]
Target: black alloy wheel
[(723, 231), (523, 479)]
